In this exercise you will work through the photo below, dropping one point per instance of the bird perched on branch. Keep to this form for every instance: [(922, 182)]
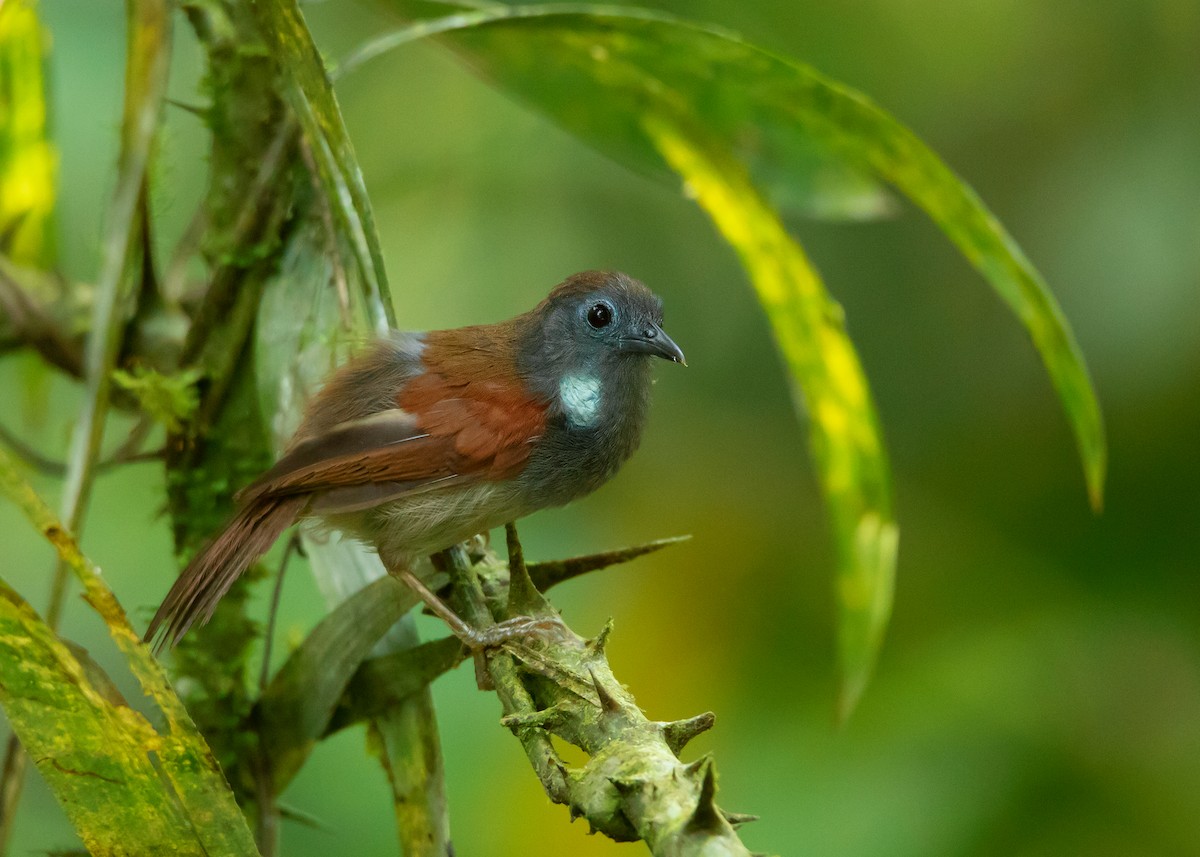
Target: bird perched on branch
[(426, 439)]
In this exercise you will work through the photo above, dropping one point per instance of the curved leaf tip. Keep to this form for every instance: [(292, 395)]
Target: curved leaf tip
[(846, 440), (739, 124)]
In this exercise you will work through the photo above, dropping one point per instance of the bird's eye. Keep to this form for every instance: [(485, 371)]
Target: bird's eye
[(599, 315)]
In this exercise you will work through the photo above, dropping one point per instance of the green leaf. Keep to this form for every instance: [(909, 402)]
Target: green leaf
[(379, 684), (734, 121), (98, 752), (592, 71), (295, 709), (846, 441), (169, 400), (306, 87), (94, 755)]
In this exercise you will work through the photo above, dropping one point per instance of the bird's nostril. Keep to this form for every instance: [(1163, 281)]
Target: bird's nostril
[(651, 333)]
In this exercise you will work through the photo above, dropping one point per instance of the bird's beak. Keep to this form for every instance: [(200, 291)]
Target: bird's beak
[(654, 340)]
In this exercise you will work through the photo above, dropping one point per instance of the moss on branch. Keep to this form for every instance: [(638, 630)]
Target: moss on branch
[(634, 786)]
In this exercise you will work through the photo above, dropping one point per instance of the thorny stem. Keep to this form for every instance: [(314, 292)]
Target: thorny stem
[(502, 669), (634, 786)]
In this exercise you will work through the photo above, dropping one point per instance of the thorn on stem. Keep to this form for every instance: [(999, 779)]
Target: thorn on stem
[(523, 595), (607, 702), (596, 645), (706, 815), (625, 786), (547, 574), (679, 733), (692, 769), (737, 819)]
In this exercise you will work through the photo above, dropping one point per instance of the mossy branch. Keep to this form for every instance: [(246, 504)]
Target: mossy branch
[(634, 786)]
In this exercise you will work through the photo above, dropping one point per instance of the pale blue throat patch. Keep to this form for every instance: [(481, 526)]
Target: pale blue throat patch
[(580, 397)]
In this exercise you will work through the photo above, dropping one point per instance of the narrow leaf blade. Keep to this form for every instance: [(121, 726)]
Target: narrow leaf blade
[(93, 754), (310, 96), (382, 683), (199, 787), (296, 707), (846, 440)]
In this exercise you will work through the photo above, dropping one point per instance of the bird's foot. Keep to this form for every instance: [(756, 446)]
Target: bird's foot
[(480, 640), (516, 628)]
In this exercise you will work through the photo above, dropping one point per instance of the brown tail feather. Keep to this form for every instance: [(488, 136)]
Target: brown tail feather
[(211, 572)]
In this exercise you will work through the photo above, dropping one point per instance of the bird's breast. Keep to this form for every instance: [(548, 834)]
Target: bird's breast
[(592, 429)]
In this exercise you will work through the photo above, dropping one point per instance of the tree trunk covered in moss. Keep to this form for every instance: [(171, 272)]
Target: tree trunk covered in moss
[(262, 207)]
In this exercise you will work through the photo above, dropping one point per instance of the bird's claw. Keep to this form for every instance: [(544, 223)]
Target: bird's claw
[(516, 628), (479, 640)]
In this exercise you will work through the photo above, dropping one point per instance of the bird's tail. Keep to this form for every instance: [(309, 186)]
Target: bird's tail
[(211, 572)]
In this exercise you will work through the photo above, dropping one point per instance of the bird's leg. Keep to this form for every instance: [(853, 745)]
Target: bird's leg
[(475, 639)]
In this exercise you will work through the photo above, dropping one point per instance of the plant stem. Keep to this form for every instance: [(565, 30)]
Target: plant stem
[(634, 786)]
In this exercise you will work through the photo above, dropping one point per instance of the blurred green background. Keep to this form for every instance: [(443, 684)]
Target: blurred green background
[(1039, 690)]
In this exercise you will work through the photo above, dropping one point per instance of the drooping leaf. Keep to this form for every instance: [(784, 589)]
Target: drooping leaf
[(733, 120), (846, 440), (45, 683), (295, 709)]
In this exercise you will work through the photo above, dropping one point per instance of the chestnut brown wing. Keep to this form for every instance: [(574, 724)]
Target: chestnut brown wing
[(387, 447), (445, 433)]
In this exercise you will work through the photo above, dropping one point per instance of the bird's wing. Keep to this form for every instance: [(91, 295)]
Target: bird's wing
[(439, 433), (444, 433)]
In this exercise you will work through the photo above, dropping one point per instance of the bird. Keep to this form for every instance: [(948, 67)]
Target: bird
[(423, 440)]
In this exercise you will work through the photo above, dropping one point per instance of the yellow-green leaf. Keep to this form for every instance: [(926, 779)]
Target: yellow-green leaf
[(28, 162), (846, 441), (102, 739), (94, 755), (736, 121)]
